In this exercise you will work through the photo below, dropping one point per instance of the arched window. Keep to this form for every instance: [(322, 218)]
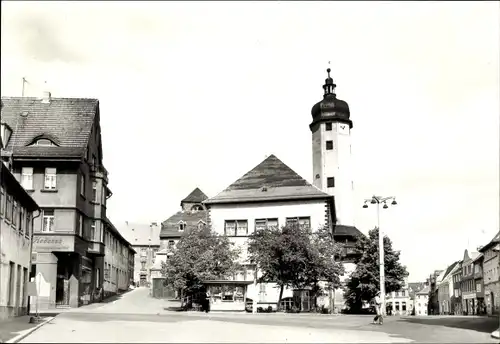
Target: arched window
[(196, 208)]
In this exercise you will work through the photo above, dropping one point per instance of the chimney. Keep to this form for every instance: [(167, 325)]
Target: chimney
[(46, 98)]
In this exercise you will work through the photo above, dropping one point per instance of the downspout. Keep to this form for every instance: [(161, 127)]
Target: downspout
[(31, 252)]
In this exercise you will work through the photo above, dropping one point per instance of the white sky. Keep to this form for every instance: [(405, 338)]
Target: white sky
[(196, 94)]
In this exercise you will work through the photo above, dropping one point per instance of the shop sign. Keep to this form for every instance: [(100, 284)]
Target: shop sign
[(50, 243)]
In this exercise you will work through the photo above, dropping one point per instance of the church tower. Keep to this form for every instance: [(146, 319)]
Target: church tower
[(331, 144)]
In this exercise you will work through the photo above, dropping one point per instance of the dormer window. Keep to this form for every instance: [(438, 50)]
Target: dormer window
[(201, 224), (43, 142), (182, 226), (5, 132)]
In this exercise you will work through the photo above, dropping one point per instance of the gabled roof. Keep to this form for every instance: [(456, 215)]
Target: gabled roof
[(140, 234), (271, 180), (196, 196), (450, 269), (424, 291), (492, 243), (170, 227), (68, 121)]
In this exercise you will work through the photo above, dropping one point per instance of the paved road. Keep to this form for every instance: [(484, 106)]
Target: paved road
[(136, 317)]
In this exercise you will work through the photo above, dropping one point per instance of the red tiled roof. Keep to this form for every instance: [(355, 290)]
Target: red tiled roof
[(196, 196), (67, 121), (170, 227), (270, 180)]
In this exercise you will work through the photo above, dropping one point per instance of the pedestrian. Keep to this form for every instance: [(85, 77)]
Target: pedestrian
[(207, 302), (377, 304)]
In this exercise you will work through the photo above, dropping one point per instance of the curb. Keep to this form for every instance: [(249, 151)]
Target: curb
[(21, 336), (495, 334)]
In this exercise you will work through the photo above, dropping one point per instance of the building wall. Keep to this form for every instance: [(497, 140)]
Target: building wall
[(400, 302), (335, 163), (421, 302), (491, 280), (15, 258), (218, 214), (116, 264), (143, 261)]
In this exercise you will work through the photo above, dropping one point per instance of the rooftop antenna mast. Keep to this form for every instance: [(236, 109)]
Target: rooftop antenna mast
[(24, 82)]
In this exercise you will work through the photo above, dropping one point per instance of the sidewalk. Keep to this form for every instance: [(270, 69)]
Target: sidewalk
[(13, 327)]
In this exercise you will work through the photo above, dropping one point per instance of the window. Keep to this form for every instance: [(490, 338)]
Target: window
[(80, 225), (22, 220), (201, 224), (50, 178), (2, 200), (94, 162), (328, 126), (44, 142), (403, 306), (236, 227), (301, 221), (82, 184), (48, 221), (29, 224), (330, 182), (8, 210), (329, 145), (171, 244), (103, 196), (94, 191), (15, 213), (25, 286), (143, 265), (196, 208), (265, 223), (10, 288), (27, 178), (182, 226), (92, 231)]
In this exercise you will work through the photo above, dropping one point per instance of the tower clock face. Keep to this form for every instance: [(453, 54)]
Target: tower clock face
[(343, 128)]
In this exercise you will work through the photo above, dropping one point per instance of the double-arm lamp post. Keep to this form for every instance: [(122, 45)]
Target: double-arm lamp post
[(378, 200)]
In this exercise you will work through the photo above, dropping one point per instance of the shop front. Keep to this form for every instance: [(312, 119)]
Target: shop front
[(227, 295)]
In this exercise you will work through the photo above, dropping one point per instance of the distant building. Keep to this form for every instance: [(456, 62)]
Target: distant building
[(445, 289), (398, 302), (55, 151), (119, 254), (193, 214), (491, 277), (16, 230), (421, 301), (145, 240), (468, 285), (433, 292), (413, 288), (456, 298), (480, 306)]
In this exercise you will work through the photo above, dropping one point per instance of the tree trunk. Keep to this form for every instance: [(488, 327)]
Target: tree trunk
[(182, 298), (278, 307)]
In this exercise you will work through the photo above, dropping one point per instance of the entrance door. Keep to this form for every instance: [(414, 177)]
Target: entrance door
[(62, 291)]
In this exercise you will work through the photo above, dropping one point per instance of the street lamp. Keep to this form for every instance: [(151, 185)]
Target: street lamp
[(381, 200)]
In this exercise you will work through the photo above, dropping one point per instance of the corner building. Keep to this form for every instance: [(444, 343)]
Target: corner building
[(55, 152)]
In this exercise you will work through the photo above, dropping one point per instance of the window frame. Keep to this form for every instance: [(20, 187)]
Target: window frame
[(236, 227), (93, 228), (50, 183), (49, 217), (8, 207), (330, 182), (328, 126), (266, 222), (329, 145), (25, 178), (82, 185), (2, 200), (15, 213), (80, 225), (94, 191), (297, 220)]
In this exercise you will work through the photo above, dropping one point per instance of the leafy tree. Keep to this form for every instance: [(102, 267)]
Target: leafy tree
[(364, 282), (201, 254), (293, 257)]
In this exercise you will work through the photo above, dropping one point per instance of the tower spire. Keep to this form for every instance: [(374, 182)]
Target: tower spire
[(329, 86)]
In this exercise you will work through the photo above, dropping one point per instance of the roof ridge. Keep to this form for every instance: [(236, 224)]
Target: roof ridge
[(52, 98)]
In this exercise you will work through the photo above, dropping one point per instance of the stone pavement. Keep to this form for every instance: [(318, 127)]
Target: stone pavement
[(13, 327), (135, 317)]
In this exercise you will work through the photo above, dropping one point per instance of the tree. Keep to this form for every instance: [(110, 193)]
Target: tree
[(364, 281), (292, 256), (200, 255)]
